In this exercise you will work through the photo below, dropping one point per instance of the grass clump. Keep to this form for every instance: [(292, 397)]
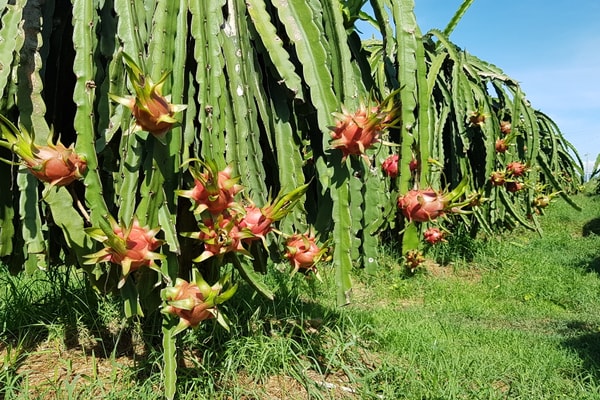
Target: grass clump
[(511, 317)]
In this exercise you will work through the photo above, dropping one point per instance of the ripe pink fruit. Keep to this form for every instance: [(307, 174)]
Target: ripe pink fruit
[(303, 252), (131, 248), (56, 164), (516, 168), (198, 310), (152, 111), (221, 235), (413, 165), (213, 190), (433, 235), (196, 301), (355, 133), (422, 205), (256, 222), (501, 146), (498, 178), (390, 166)]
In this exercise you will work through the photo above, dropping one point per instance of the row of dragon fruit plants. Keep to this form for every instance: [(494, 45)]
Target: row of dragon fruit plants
[(200, 143)]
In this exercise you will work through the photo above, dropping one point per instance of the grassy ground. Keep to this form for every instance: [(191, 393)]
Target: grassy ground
[(514, 317)]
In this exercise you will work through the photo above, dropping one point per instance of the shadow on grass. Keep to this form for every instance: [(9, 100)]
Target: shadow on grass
[(591, 227), (304, 328), (591, 265), (584, 339)]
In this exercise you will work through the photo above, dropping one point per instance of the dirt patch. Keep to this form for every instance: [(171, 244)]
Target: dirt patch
[(282, 387), (50, 368), (472, 275)]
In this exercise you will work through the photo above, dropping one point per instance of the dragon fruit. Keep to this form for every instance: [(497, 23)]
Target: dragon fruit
[(196, 301), (516, 168), (355, 133), (501, 146), (54, 164), (498, 178), (303, 252), (433, 235), (390, 166), (152, 111), (513, 186), (422, 205), (130, 247), (221, 235), (505, 127), (213, 190)]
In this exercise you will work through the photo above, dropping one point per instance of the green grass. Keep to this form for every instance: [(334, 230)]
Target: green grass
[(516, 316)]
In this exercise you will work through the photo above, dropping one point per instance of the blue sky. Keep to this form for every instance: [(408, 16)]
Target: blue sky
[(551, 47)]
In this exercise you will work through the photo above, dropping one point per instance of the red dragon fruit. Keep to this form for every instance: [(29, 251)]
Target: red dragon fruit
[(196, 301), (256, 222), (355, 133), (152, 111), (516, 168), (477, 118), (390, 166), (130, 247), (303, 252), (422, 205), (413, 165), (505, 127), (498, 178), (54, 164), (213, 190), (513, 186), (221, 235), (501, 146), (433, 235)]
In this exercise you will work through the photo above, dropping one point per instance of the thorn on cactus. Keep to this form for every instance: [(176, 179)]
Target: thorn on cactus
[(152, 111)]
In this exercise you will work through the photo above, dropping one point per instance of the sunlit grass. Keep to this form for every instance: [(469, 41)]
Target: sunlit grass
[(516, 316)]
